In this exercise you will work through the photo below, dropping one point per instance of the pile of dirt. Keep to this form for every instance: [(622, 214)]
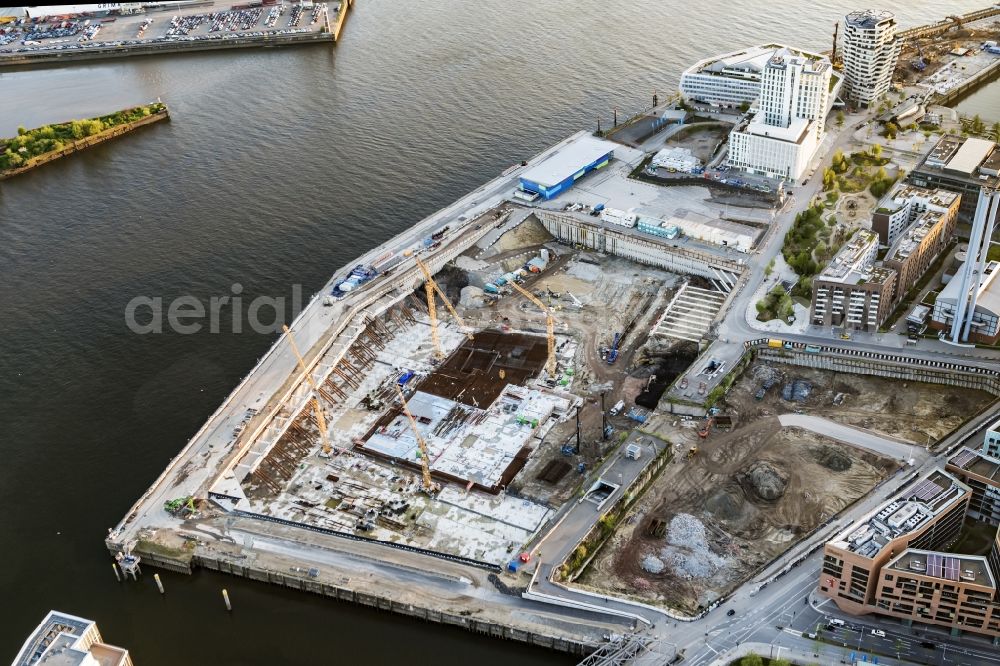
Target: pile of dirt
[(727, 505), (764, 480), (832, 458)]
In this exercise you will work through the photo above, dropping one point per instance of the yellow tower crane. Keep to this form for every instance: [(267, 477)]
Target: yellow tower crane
[(550, 326), (317, 409), (429, 486), (431, 287)]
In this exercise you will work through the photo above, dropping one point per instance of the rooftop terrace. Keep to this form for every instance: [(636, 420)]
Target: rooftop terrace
[(955, 568), (908, 512), (971, 460), (853, 263), (911, 239)]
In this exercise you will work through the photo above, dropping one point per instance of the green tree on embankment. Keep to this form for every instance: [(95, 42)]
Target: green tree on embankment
[(16, 151)]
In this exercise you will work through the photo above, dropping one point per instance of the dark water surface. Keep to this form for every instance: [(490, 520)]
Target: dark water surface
[(278, 167)]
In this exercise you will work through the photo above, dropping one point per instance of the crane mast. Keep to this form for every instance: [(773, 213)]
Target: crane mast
[(429, 486), (317, 409), (550, 365), (431, 287)]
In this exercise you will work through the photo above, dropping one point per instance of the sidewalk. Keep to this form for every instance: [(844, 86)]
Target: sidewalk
[(827, 654)]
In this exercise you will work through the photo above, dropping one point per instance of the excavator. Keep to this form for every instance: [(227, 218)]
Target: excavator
[(431, 287), (550, 365), (317, 409), (428, 486), (707, 428)]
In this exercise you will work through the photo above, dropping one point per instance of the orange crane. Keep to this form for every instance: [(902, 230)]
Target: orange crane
[(550, 326), (317, 409), (431, 287), (429, 486)]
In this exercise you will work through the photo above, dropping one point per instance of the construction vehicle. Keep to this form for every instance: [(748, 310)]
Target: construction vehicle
[(613, 351), (550, 324), (317, 408), (178, 506), (707, 428), (428, 485), (920, 63), (431, 287), (692, 452)]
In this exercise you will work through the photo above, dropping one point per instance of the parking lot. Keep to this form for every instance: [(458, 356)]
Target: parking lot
[(214, 22)]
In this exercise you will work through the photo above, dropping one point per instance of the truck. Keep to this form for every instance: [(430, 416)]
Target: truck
[(775, 344), (616, 410), (358, 276)]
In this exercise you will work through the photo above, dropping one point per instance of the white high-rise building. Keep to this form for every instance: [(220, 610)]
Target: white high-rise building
[(870, 48), (782, 137), (732, 79)]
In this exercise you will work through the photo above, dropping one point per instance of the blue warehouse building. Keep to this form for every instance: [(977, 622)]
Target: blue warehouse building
[(559, 171)]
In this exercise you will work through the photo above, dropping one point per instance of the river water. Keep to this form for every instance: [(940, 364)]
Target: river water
[(278, 167)]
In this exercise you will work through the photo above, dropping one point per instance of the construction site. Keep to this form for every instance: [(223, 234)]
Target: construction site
[(941, 60), (747, 484)]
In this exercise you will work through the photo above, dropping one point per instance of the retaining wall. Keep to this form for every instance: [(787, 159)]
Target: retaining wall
[(969, 377), (984, 76), (650, 250), (338, 25), (485, 627)]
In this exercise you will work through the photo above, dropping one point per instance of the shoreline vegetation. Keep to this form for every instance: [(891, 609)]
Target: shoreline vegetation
[(33, 147)]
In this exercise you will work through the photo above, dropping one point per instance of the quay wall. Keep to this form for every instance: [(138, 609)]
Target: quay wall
[(478, 626), (338, 25), (651, 251), (156, 48), (984, 76), (86, 142), (947, 23)]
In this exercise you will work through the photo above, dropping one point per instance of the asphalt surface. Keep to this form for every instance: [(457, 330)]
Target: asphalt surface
[(857, 437)]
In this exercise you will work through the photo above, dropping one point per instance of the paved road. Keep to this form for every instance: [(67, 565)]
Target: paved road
[(863, 439), (581, 516)]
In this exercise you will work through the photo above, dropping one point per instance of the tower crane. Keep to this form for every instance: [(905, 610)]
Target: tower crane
[(431, 287), (429, 486), (317, 409), (550, 325)]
